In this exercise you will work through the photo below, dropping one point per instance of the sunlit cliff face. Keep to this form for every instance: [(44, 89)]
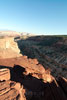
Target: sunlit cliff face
[(7, 44), (8, 47)]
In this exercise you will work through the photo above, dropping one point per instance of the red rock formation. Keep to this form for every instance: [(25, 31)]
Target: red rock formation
[(29, 81), (4, 74)]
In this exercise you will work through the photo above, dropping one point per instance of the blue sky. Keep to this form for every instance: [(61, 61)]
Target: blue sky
[(34, 16)]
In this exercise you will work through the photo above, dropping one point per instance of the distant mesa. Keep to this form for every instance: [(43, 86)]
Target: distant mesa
[(27, 34), (9, 33), (14, 33)]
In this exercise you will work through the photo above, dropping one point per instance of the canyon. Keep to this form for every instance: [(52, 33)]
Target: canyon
[(29, 70)]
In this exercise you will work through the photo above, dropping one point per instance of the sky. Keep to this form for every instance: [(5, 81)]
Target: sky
[(34, 16)]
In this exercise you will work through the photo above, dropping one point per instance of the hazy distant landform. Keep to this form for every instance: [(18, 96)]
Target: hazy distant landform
[(14, 33)]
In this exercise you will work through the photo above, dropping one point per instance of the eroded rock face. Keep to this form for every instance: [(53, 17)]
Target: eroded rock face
[(4, 74), (31, 67), (9, 90), (9, 48), (25, 81), (23, 87), (29, 81)]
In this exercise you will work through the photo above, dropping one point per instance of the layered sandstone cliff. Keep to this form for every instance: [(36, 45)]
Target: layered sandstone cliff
[(8, 48)]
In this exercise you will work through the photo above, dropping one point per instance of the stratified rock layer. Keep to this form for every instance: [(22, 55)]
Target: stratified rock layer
[(9, 48), (4, 74), (9, 90)]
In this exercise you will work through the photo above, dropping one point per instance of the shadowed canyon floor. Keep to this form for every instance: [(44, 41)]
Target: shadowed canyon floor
[(50, 51)]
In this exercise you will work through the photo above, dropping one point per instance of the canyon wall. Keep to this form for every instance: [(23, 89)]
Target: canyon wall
[(8, 48)]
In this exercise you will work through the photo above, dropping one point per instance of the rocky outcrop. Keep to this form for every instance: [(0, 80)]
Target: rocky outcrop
[(9, 90), (27, 87), (31, 66), (4, 74)]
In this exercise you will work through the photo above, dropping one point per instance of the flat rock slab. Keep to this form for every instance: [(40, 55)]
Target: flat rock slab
[(10, 90), (4, 74)]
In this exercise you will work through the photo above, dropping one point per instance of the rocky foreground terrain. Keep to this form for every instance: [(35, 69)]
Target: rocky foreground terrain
[(23, 78), (26, 79)]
